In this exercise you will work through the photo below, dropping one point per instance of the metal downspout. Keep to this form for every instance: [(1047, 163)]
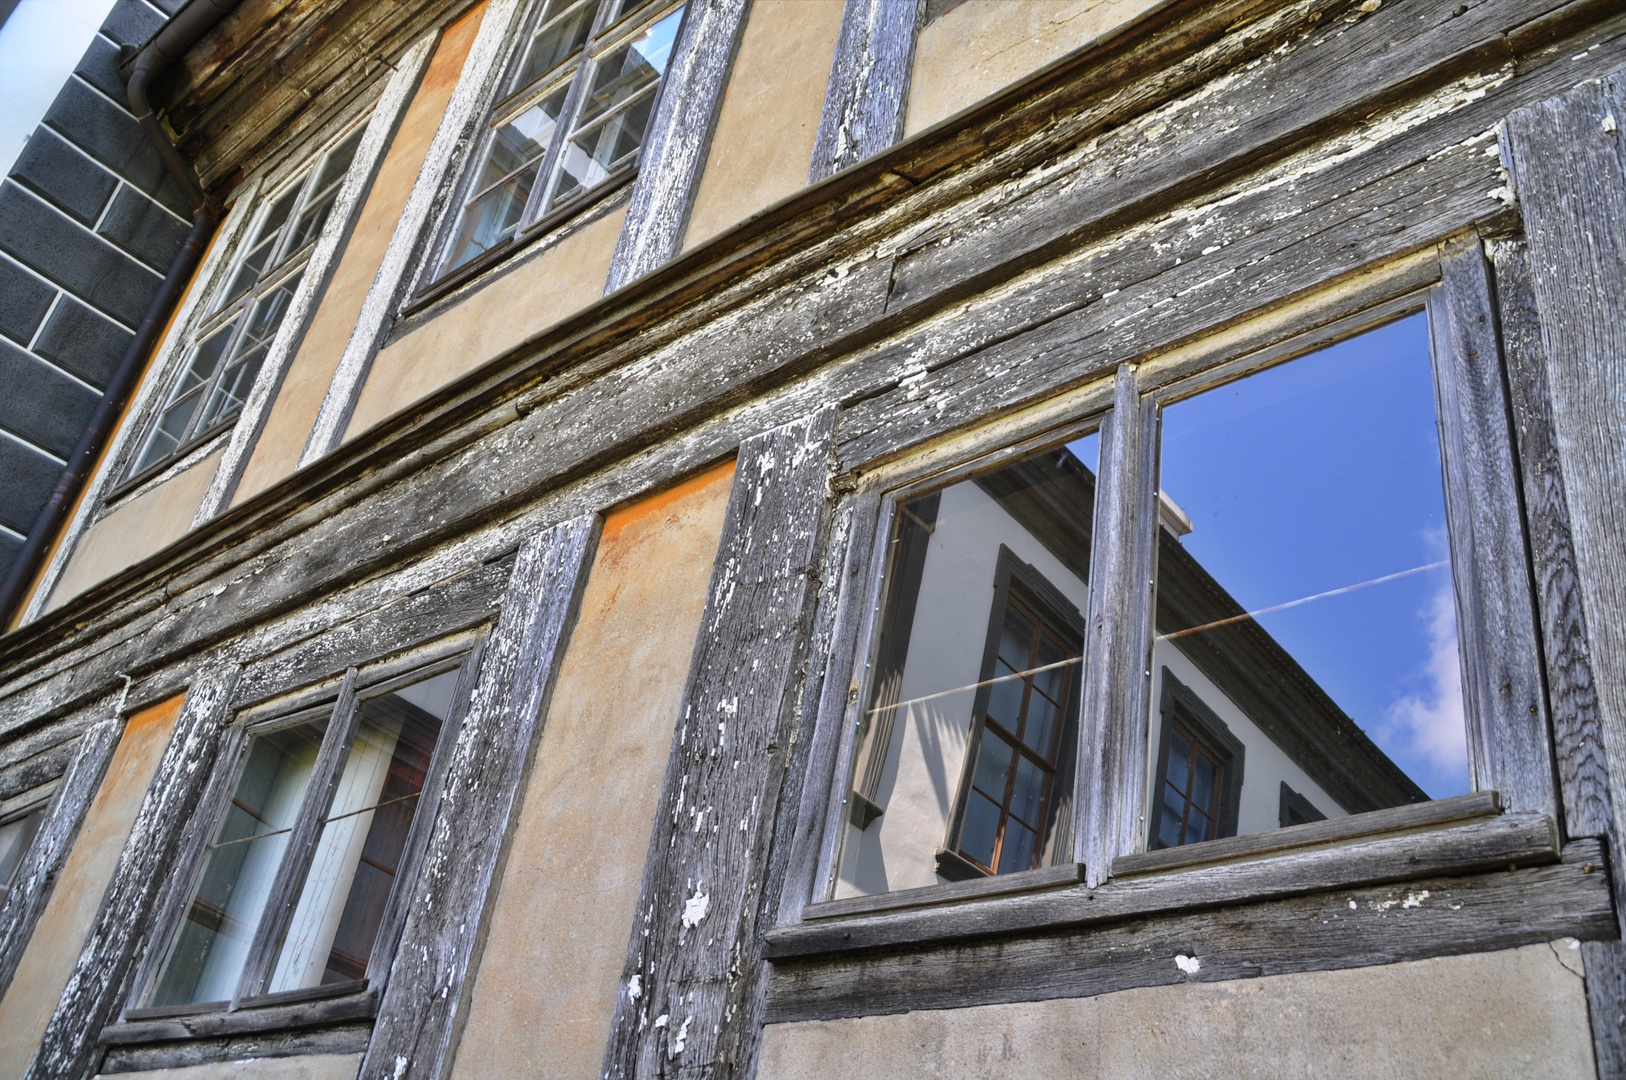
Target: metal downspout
[(169, 44)]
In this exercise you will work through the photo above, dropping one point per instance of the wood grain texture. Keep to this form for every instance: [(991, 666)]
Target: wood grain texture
[(954, 892), (35, 875), (678, 138), (426, 998), (1583, 772), (302, 1014), (1118, 634), (1605, 963), (701, 908), (120, 936), (1510, 746), (868, 95), (1454, 849), (338, 1039), (1325, 930)]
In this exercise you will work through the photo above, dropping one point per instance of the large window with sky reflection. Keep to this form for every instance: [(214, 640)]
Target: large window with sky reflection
[(1305, 663)]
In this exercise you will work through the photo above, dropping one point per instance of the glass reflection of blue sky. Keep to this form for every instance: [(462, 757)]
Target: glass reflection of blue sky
[(1320, 474)]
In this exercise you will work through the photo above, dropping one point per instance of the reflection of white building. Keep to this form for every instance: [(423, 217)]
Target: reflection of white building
[(1242, 739)]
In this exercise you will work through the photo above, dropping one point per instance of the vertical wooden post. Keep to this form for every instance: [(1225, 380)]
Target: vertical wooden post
[(868, 96), (119, 937), (426, 998), (679, 139), (698, 923), (1567, 159), (1112, 733), (1508, 739), (36, 874)]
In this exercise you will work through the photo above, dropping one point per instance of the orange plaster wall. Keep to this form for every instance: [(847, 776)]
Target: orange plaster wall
[(60, 933), (276, 454), (546, 988)]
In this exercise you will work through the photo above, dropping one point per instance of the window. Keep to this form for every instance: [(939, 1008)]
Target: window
[(573, 118), (17, 831), (296, 884), (1301, 653), (231, 342), (965, 758)]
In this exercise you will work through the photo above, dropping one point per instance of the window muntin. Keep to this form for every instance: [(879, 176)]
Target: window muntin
[(15, 836), (1304, 592), (578, 107), (964, 760), (231, 343), (342, 851)]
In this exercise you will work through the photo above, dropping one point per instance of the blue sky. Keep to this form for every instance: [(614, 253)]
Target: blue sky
[(40, 45), (1324, 473)]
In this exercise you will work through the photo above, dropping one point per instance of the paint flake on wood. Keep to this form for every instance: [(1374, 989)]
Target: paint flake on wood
[(868, 95)]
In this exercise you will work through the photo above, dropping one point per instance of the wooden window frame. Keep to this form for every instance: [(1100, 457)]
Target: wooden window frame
[(609, 30), (1177, 705), (1510, 759), (251, 1007), (230, 315)]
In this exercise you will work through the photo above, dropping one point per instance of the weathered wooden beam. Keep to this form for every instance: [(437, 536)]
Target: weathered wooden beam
[(220, 1024), (867, 98), (348, 1038), (35, 875), (678, 140), (701, 908), (1509, 742), (1605, 963), (1111, 781), (120, 935), (1566, 158), (1583, 768), (1325, 930), (426, 997), (1523, 839), (954, 892)]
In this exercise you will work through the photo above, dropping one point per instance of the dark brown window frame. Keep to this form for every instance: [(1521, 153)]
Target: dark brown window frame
[(1180, 707)]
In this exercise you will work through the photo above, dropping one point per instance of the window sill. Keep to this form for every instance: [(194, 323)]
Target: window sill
[(1407, 849), (152, 472), (1049, 877), (277, 1014)]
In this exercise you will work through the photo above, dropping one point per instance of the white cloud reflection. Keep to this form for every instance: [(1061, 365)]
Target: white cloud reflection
[(1429, 724)]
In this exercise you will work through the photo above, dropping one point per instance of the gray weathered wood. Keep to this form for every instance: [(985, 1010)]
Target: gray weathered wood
[(1414, 815), (268, 1018), (1605, 964), (1118, 635), (121, 933), (35, 876), (868, 95), (1510, 748), (1324, 930), (339, 1039), (678, 139), (429, 983), (702, 908), (1480, 844), (954, 892), (1583, 773)]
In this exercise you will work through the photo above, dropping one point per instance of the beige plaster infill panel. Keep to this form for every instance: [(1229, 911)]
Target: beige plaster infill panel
[(982, 46), (1513, 1014), (52, 951), (763, 144), (143, 526), (304, 385), (537, 294), (309, 1067), (546, 987)]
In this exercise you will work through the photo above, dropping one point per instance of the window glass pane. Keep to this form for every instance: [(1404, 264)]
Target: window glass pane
[(206, 959), (512, 163), (175, 421), (1306, 627), (610, 126), (238, 378), (360, 847), (15, 836), (323, 192), (562, 29), (256, 262), (965, 755)]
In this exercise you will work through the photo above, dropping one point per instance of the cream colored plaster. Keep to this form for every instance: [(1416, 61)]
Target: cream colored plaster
[(60, 933), (310, 1067), (525, 300), (982, 46), (763, 144), (146, 524), (1517, 1013), (282, 440), (546, 987)]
